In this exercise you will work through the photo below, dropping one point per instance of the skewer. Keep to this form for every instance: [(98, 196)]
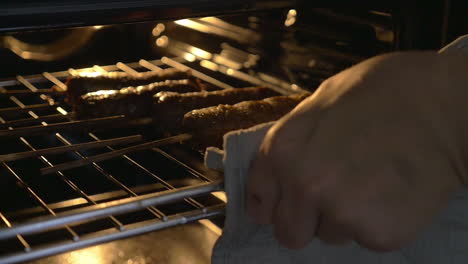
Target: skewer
[(116, 153), (75, 147), (96, 123)]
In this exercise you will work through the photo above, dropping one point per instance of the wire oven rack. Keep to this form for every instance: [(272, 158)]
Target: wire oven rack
[(160, 187)]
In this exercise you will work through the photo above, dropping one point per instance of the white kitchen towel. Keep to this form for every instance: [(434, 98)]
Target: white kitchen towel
[(244, 242)]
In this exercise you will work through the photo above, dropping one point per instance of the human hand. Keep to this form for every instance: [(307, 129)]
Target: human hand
[(372, 156)]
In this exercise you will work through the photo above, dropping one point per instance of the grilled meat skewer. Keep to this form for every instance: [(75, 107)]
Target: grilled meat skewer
[(169, 107), (129, 101), (208, 125), (83, 83)]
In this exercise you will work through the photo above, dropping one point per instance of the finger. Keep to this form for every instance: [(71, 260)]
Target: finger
[(330, 232), (262, 191), (295, 219)]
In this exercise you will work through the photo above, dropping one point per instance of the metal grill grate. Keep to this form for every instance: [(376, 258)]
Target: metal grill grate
[(131, 194)]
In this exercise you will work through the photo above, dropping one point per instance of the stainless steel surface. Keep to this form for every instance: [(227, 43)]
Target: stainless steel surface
[(187, 244)]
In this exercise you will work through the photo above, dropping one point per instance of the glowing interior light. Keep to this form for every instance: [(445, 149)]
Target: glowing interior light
[(98, 27)]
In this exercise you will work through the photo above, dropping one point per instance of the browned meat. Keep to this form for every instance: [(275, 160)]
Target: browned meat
[(84, 83), (130, 101), (169, 107), (208, 125)]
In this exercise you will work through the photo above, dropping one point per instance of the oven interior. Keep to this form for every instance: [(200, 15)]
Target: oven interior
[(99, 212)]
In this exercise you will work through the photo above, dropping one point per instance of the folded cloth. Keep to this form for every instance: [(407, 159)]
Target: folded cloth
[(245, 242)]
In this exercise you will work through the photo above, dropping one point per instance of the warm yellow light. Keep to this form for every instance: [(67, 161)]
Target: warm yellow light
[(98, 27), (158, 29), (162, 41), (292, 12), (93, 255), (89, 73), (189, 57), (209, 65), (291, 18), (200, 53)]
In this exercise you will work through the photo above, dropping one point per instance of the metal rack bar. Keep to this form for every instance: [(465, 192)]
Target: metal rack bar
[(117, 223), (110, 208), (38, 199), (62, 149), (116, 153), (156, 212), (191, 201), (128, 200), (148, 65), (148, 226), (96, 123), (30, 121), (74, 187), (195, 73), (21, 239)]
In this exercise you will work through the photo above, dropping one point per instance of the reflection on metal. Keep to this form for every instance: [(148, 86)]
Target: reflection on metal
[(213, 25), (200, 53), (227, 62), (209, 65), (158, 29), (162, 41), (59, 49), (291, 18), (189, 57)]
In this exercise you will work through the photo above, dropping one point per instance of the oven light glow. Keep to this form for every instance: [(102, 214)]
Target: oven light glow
[(230, 72), (98, 27)]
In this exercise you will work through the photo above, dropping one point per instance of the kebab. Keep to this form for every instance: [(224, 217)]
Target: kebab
[(130, 101), (82, 83), (208, 125), (138, 101), (169, 107)]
